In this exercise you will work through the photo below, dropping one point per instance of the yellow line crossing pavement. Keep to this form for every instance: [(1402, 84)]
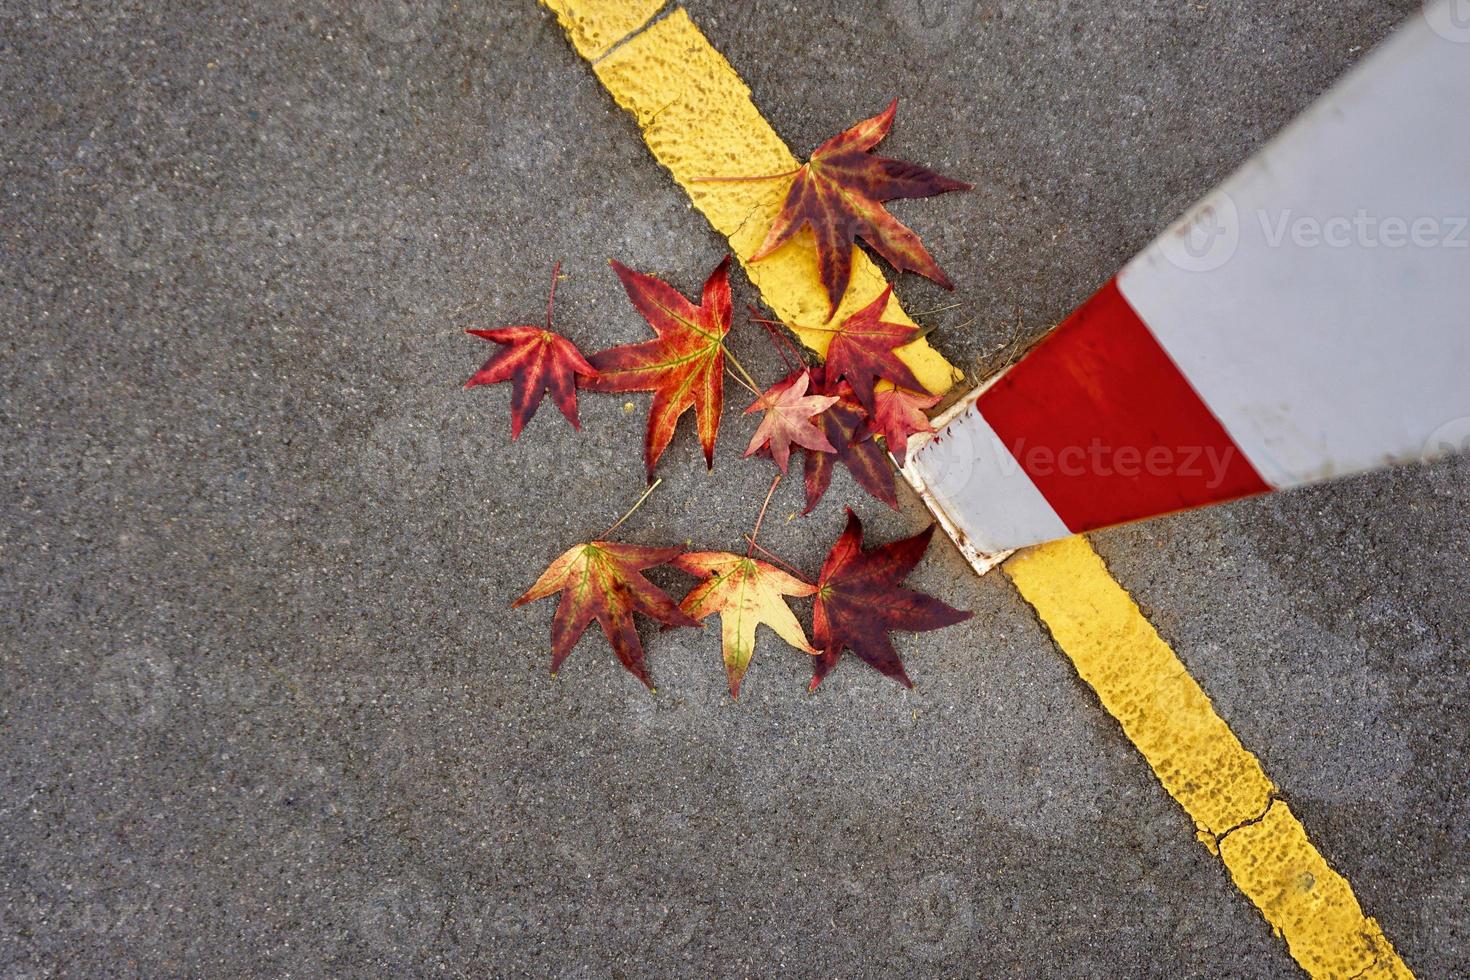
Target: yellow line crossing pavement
[(698, 119), (1170, 720)]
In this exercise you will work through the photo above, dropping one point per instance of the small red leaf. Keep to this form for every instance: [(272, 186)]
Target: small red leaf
[(843, 426), (535, 360), (788, 419), (900, 414), (862, 351)]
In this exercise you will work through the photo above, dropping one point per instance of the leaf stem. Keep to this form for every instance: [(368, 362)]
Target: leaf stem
[(631, 510), (762, 515), (743, 180), (779, 323), (776, 558), (741, 382), (751, 382), (779, 339), (551, 300)]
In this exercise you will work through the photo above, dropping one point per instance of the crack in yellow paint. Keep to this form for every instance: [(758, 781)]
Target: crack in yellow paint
[(595, 27), (697, 117), (1169, 718), (1308, 904)]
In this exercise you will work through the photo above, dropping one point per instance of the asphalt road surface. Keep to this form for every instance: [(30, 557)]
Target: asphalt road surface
[(265, 709)]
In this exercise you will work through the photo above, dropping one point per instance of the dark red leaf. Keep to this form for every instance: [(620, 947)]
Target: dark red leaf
[(840, 194), (535, 360), (860, 598), (862, 351), (843, 426)]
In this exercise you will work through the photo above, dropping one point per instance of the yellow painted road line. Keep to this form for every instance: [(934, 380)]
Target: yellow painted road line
[(698, 119), (1143, 684)]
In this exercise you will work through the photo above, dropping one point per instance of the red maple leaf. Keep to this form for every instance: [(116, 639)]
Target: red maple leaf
[(860, 598), (899, 415), (843, 425), (789, 412), (684, 366), (600, 580), (840, 192), (862, 351), (536, 360)]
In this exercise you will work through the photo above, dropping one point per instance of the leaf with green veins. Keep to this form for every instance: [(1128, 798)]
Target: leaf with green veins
[(746, 593), (683, 366), (536, 360), (601, 580)]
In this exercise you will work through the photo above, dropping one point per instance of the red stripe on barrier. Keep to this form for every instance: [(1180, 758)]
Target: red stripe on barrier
[(1107, 427)]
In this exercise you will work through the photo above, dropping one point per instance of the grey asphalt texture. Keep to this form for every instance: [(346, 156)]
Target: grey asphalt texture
[(266, 710)]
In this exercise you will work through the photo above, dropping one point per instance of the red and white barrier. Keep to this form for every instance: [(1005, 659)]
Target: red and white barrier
[(1308, 319)]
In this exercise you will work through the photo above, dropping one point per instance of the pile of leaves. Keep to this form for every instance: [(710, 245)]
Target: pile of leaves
[(839, 412)]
